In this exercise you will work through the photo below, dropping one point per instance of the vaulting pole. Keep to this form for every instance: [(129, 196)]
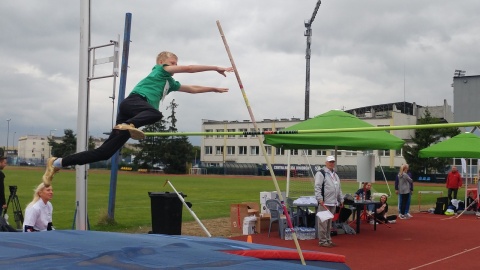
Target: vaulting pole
[(309, 131), (277, 188), (188, 208)]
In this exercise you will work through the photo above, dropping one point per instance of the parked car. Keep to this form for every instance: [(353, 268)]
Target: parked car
[(27, 163)]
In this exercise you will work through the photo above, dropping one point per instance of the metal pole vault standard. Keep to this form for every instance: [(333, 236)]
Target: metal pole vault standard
[(238, 133), (82, 118), (190, 210), (121, 96), (277, 188)]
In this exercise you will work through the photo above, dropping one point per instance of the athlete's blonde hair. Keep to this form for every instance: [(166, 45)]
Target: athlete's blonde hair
[(164, 55)]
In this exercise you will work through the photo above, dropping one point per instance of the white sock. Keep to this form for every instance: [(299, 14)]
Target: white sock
[(57, 163)]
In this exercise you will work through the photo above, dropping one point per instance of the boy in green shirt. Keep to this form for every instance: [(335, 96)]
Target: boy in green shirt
[(140, 108)]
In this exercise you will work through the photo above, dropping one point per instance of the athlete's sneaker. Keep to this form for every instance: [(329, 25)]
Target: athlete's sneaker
[(327, 245), (402, 216), (408, 215), (392, 221), (50, 171), (135, 133)]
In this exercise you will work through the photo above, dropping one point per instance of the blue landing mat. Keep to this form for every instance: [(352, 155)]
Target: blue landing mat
[(106, 250)]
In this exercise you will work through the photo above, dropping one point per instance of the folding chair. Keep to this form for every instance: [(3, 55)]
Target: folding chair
[(276, 211)]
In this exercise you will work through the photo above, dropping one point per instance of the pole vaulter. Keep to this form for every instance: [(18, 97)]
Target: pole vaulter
[(277, 188), (283, 132)]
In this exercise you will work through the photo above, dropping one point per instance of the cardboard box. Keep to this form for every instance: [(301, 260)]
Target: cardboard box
[(238, 211), (262, 224)]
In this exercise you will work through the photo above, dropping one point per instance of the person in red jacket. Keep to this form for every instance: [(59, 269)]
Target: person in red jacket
[(454, 182)]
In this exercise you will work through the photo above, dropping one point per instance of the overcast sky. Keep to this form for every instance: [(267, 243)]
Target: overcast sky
[(363, 53)]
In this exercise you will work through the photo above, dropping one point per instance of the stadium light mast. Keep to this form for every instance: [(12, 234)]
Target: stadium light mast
[(308, 34)]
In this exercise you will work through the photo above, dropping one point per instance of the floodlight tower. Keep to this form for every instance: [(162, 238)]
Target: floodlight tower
[(308, 34), (459, 73)]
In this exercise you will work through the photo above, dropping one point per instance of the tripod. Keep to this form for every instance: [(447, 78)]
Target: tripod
[(17, 209)]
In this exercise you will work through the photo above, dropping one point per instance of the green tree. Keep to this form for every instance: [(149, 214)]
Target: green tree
[(178, 150), (68, 145), (423, 139), (173, 151), (152, 147)]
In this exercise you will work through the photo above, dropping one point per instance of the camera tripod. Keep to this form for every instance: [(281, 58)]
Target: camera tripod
[(17, 209)]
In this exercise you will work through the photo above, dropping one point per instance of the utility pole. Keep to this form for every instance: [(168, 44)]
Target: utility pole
[(8, 133), (308, 34)]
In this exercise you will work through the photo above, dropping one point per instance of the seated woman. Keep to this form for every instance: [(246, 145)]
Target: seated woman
[(365, 193), (382, 210), (38, 215), (472, 202)]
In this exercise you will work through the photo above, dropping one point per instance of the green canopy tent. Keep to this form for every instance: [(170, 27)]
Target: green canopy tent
[(465, 145), (361, 140)]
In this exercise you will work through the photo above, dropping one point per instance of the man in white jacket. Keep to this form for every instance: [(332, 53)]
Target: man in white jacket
[(328, 192)]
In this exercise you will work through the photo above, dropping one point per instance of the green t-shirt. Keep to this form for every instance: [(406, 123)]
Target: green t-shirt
[(158, 84)]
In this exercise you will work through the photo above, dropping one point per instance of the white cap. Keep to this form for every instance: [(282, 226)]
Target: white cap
[(330, 158)]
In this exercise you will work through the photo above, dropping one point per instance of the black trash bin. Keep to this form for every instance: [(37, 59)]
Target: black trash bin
[(166, 213)]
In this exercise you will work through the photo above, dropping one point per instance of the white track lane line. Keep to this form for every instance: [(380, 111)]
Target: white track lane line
[(446, 258)]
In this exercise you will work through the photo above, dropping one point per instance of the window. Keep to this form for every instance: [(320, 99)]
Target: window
[(399, 153), (242, 130), (307, 152), (208, 130), (367, 152), (254, 150), (242, 150), (268, 149), (253, 130), (385, 153), (230, 150), (294, 152), (279, 151), (267, 129), (231, 130), (34, 143), (208, 150), (321, 153), (218, 150), (219, 130), (350, 153)]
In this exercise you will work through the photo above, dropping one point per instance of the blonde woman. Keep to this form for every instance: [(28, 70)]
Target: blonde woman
[(404, 184), (38, 215)]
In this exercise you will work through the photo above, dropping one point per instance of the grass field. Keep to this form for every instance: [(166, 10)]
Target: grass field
[(211, 195)]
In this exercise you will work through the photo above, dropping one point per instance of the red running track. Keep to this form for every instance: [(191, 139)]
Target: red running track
[(426, 242)]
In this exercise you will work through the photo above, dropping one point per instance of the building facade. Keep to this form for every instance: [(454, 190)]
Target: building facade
[(33, 148), (219, 149)]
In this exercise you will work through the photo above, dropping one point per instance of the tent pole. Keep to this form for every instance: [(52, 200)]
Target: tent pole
[(287, 190)]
